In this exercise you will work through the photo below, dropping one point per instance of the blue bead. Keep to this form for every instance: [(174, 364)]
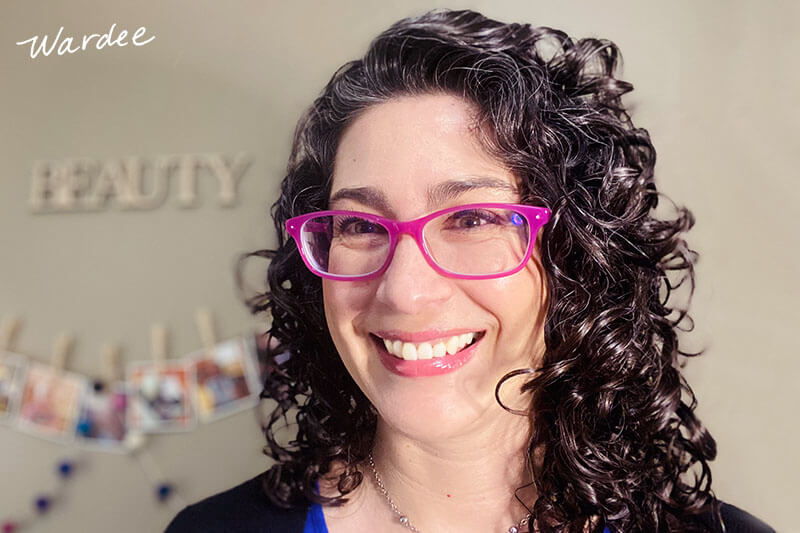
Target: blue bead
[(163, 491), (85, 427), (42, 504), (65, 468)]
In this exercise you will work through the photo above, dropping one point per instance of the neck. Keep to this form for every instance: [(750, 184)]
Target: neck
[(463, 483)]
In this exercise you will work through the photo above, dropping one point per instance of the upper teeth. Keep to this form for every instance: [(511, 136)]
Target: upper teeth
[(426, 350)]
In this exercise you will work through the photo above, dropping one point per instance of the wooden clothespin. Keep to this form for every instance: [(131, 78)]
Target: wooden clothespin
[(158, 337), (61, 350), (8, 333), (205, 325)]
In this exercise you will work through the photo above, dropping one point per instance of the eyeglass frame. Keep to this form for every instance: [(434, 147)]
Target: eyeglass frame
[(535, 216)]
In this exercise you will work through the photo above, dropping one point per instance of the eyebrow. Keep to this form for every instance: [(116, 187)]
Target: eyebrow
[(451, 189), (367, 196), (439, 194)]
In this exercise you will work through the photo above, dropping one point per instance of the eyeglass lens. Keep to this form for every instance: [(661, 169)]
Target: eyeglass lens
[(473, 241)]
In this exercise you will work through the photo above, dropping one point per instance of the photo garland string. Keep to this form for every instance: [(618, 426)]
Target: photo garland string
[(112, 414)]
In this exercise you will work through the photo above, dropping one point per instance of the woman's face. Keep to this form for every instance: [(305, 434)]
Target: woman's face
[(388, 162)]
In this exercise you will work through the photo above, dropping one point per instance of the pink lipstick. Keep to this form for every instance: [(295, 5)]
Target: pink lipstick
[(426, 367)]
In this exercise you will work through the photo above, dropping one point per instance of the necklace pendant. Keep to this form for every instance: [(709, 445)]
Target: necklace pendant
[(513, 529), (404, 520)]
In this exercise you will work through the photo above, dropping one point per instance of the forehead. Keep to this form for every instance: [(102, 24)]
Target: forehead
[(417, 151)]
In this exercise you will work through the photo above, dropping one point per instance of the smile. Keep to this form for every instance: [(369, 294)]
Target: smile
[(427, 350), (430, 357)]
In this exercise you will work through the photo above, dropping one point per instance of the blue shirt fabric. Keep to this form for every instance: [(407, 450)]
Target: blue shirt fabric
[(315, 521), (246, 509)]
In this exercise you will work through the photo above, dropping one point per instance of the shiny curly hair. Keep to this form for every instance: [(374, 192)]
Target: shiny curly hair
[(614, 432)]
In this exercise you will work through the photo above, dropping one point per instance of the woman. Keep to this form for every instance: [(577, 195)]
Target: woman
[(476, 300)]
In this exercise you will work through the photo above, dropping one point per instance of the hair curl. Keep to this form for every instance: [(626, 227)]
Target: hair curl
[(614, 423)]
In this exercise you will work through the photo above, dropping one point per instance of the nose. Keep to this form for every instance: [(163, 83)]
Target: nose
[(409, 284)]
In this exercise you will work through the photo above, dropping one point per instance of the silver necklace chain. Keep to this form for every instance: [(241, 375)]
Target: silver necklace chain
[(403, 519)]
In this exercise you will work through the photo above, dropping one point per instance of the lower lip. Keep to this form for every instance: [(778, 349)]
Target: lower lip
[(427, 367)]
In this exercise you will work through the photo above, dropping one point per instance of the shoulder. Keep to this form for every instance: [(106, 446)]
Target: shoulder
[(735, 520), (243, 508)]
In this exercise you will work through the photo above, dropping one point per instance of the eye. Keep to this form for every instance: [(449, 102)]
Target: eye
[(472, 218), (357, 226)]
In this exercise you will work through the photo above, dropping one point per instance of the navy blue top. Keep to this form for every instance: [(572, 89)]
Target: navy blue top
[(315, 521), (246, 508)]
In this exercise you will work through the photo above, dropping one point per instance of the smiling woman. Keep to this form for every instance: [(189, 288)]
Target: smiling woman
[(404, 150), (469, 280)]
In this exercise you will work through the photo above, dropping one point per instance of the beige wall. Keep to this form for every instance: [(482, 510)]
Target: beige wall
[(715, 85)]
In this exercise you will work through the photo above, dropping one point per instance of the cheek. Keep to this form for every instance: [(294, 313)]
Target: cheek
[(344, 302), (518, 303)]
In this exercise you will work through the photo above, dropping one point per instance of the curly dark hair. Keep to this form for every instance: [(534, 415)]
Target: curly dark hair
[(614, 431)]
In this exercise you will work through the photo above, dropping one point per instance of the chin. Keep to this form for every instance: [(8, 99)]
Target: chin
[(434, 408)]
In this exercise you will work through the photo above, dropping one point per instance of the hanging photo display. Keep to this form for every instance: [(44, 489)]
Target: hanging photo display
[(50, 402), (113, 415), (227, 380), (159, 396), (156, 396), (102, 417)]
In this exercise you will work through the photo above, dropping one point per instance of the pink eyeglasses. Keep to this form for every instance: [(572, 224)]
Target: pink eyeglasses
[(474, 241)]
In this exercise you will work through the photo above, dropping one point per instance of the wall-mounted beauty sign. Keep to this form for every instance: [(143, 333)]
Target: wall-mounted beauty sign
[(84, 184)]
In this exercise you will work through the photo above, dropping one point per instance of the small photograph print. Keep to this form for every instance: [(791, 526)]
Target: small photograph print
[(160, 397), (227, 380), (102, 417), (12, 372), (50, 402)]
